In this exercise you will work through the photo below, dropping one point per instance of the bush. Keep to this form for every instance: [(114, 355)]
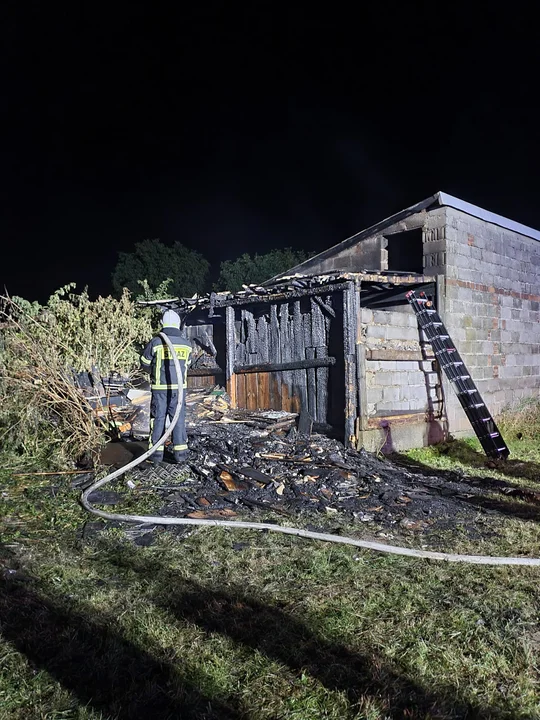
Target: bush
[(523, 417), (44, 416), (248, 269)]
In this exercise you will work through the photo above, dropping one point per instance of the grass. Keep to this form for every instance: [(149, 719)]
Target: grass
[(235, 624)]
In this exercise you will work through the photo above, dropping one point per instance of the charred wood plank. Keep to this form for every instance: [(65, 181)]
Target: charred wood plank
[(319, 362), (297, 339), (204, 371), (321, 381), (274, 356), (230, 343), (306, 322), (252, 336), (274, 348), (286, 356), (318, 329), (349, 347), (324, 306), (283, 296), (262, 339), (361, 355), (311, 384)]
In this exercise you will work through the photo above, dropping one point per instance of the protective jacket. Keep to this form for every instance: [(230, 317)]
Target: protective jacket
[(157, 360)]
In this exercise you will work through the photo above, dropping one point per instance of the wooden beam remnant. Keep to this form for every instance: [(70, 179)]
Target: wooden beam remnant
[(230, 343), (362, 388), (204, 371), (299, 351), (349, 349), (397, 355), (283, 366)]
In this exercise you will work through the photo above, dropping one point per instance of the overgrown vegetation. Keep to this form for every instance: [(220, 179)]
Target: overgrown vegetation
[(520, 427), (155, 262), (44, 418), (215, 623), (248, 269), (175, 271)]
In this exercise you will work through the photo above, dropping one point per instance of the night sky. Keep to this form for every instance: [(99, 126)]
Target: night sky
[(240, 129)]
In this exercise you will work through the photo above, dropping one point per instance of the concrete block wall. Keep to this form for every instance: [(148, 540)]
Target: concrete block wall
[(394, 386), (491, 307)]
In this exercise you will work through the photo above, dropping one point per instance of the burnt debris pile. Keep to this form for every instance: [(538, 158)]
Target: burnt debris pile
[(252, 463)]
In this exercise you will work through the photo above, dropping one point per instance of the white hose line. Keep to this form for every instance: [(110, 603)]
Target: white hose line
[(298, 532)]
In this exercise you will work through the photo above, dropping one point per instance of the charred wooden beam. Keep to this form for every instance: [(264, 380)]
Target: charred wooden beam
[(327, 308), (230, 341), (299, 376), (350, 316), (203, 372), (362, 388), (284, 366), (280, 296)]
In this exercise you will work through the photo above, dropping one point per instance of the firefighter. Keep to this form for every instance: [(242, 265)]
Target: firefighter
[(157, 360)]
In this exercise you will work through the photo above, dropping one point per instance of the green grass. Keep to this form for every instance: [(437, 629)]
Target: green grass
[(280, 628)]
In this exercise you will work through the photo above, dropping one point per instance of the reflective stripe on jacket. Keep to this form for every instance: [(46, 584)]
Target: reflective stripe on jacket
[(156, 360)]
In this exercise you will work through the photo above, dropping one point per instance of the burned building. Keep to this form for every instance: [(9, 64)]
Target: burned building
[(335, 338)]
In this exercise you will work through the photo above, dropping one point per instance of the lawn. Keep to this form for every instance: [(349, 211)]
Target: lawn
[(215, 623)]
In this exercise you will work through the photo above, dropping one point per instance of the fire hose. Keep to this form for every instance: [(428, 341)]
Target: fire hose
[(298, 532)]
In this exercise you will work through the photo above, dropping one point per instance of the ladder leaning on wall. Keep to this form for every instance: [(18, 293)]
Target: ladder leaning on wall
[(454, 368)]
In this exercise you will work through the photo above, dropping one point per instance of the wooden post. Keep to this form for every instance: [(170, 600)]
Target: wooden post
[(230, 351), (349, 349), (361, 357), (362, 389)]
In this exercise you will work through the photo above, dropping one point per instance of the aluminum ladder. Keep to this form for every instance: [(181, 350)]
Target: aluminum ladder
[(454, 368)]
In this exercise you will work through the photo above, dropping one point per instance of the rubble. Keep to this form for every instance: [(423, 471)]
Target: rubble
[(256, 463), (249, 463)]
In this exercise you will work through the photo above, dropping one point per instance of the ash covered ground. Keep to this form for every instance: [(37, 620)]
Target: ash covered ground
[(258, 464)]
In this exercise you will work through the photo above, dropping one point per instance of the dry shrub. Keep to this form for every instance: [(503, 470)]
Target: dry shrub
[(44, 417), (522, 418)]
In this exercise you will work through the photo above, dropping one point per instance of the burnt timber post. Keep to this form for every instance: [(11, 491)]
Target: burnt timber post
[(350, 324), (230, 350), (362, 412)]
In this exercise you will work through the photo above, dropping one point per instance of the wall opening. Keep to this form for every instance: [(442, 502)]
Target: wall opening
[(405, 251)]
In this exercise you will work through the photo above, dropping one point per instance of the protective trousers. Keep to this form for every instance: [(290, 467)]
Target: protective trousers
[(164, 404)]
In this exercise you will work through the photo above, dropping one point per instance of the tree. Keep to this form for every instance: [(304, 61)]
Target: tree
[(249, 269), (156, 262)]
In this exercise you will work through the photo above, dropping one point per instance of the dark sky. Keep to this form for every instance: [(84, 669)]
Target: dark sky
[(242, 128)]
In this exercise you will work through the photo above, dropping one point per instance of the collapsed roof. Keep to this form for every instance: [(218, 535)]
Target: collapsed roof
[(292, 285)]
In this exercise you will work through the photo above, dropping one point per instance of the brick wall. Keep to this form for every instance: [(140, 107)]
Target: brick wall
[(491, 308), (394, 386)]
